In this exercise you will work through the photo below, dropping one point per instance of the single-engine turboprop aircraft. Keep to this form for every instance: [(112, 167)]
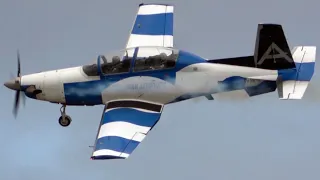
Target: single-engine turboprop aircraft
[(135, 83)]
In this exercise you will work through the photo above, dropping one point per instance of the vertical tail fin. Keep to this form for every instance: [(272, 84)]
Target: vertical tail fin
[(293, 84), (271, 49)]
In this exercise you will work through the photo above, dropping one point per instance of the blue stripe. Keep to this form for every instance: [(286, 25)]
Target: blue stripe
[(232, 83), (131, 116), (154, 24), (306, 71), (186, 59), (88, 93), (303, 72), (115, 143)]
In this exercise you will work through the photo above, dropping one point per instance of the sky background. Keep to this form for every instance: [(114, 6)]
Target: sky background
[(260, 138)]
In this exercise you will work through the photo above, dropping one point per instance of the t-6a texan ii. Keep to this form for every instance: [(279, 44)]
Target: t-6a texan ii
[(135, 83)]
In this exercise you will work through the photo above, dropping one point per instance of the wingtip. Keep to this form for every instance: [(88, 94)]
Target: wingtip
[(106, 157)]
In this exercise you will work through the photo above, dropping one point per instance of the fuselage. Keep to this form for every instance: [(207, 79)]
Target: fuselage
[(191, 76)]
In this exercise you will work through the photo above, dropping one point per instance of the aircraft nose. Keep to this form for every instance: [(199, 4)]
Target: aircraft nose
[(12, 84)]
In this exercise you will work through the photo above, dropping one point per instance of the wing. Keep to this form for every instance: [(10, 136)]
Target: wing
[(153, 26), (124, 124)]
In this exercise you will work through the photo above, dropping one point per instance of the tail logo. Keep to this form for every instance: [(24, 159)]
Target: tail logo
[(271, 54)]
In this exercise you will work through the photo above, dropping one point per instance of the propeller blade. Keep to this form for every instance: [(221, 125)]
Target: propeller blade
[(16, 103), (18, 58), (18, 94)]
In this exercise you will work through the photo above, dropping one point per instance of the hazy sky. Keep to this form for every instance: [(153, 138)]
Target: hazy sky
[(261, 138)]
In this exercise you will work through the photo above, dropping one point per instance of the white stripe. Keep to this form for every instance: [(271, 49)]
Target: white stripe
[(139, 109), (146, 111), (121, 129), (294, 89), (140, 100), (108, 152), (299, 90), (154, 9), (150, 40), (304, 54), (138, 137)]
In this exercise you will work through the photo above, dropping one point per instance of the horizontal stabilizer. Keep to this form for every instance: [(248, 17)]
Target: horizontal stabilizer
[(293, 83)]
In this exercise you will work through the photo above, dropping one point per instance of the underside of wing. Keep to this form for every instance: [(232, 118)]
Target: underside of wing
[(153, 26), (124, 124)]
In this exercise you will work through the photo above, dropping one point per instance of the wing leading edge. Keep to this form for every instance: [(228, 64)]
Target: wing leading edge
[(153, 26), (124, 124)]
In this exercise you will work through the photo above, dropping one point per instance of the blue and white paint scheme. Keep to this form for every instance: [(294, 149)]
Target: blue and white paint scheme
[(135, 83)]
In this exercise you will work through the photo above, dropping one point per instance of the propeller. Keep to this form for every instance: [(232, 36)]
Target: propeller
[(17, 86)]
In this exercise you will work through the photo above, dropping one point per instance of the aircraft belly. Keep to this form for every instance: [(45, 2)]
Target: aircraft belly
[(195, 82), (141, 87), (204, 79)]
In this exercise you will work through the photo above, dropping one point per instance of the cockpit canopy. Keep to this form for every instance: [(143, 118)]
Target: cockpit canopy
[(138, 59)]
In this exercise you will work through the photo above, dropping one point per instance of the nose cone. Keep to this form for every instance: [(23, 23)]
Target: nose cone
[(12, 84)]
